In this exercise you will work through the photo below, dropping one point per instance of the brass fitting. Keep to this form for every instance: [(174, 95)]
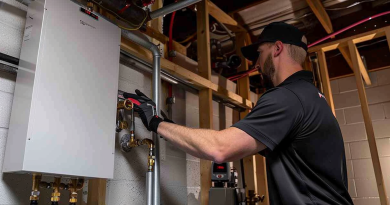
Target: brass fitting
[(35, 187), (55, 195), (125, 104), (148, 142), (123, 125), (74, 186), (151, 160), (133, 142)]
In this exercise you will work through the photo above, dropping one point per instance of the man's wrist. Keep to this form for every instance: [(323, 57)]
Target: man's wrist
[(154, 123)]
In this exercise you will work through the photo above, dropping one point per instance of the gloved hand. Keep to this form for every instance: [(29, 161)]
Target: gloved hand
[(146, 109)]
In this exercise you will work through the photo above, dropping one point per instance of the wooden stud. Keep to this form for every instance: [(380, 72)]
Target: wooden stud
[(96, 192), (368, 124), (307, 64), (318, 9), (388, 36), (157, 23), (325, 79), (347, 56), (205, 95), (261, 178)]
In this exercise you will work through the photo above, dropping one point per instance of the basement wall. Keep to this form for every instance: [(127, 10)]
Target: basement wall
[(180, 177), (361, 178)]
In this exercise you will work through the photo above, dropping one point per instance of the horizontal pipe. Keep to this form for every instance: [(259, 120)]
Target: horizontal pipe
[(171, 8), (9, 59)]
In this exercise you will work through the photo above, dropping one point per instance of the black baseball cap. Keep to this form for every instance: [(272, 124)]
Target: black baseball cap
[(277, 31)]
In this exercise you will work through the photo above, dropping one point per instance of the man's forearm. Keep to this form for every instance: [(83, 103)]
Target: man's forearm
[(201, 143)]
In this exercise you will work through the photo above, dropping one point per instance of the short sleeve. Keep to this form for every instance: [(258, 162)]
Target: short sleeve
[(276, 114)]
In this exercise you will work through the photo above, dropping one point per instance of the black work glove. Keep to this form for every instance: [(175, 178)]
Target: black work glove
[(146, 109)]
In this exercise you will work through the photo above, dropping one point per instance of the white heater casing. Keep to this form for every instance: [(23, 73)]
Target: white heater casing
[(64, 107)]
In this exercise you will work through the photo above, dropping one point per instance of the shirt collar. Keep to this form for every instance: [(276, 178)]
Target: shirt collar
[(300, 75)]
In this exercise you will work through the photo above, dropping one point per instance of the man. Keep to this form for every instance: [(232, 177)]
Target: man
[(291, 125)]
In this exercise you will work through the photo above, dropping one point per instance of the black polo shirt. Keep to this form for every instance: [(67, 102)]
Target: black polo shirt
[(305, 149)]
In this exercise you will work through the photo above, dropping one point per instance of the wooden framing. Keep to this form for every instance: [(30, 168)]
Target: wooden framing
[(368, 123), (222, 17), (325, 80), (164, 40), (347, 56), (205, 95), (197, 80), (356, 39), (96, 192), (349, 50), (318, 9)]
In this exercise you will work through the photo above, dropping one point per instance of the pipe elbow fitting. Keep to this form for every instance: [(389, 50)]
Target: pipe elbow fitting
[(148, 142)]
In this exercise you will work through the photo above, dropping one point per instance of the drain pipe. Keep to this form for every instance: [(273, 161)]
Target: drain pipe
[(171, 8), (137, 38)]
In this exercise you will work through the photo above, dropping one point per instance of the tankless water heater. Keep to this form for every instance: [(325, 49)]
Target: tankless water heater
[(64, 107)]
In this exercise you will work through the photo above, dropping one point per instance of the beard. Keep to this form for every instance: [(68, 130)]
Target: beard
[(268, 73)]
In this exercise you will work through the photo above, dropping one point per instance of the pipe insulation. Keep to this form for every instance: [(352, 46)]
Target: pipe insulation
[(139, 39), (171, 8)]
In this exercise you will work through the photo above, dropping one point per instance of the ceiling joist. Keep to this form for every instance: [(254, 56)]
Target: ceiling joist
[(318, 9)]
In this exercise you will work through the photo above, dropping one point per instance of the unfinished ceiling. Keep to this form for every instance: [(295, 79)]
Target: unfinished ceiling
[(255, 15)]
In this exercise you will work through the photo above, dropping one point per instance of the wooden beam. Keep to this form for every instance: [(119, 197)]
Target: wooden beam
[(347, 56), (96, 192), (243, 90), (205, 95), (157, 23), (368, 124), (261, 178), (198, 81), (325, 79), (356, 39), (318, 9), (151, 32), (222, 17)]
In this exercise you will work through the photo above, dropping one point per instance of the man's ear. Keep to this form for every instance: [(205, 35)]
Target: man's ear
[(278, 48)]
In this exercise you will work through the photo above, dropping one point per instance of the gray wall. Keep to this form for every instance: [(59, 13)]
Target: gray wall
[(361, 180)]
